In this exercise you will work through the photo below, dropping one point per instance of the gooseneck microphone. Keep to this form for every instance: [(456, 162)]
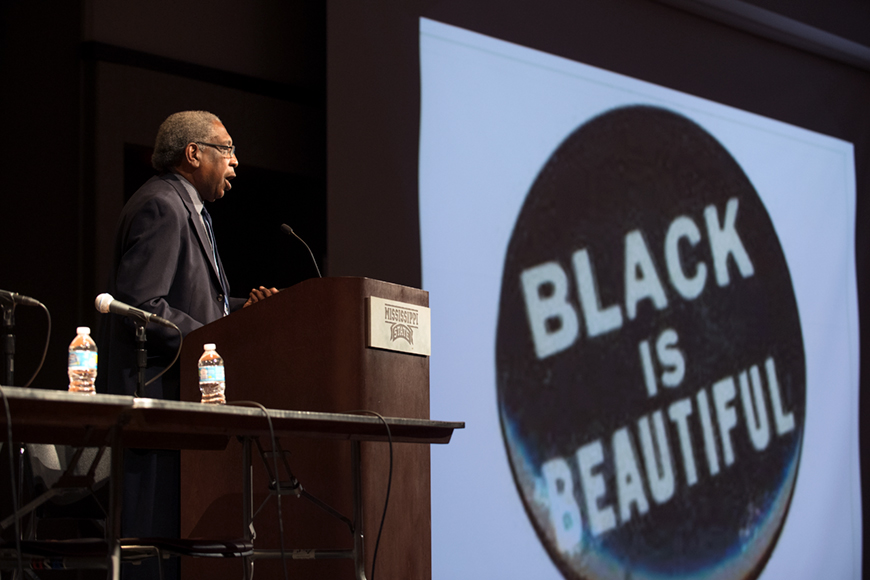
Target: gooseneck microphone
[(289, 231), (16, 298), (105, 304)]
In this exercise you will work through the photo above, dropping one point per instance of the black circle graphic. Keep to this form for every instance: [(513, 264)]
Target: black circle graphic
[(650, 361)]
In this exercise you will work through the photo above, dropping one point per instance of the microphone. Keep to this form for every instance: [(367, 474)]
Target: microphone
[(105, 304), (16, 298), (289, 231)]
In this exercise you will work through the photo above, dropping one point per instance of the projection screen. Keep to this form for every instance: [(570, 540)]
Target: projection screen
[(644, 305)]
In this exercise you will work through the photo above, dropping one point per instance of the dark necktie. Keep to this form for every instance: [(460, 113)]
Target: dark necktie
[(207, 219)]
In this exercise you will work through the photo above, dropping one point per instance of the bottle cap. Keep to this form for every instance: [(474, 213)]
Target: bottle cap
[(83, 330), (208, 346)]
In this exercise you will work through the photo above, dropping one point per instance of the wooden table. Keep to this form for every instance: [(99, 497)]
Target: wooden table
[(118, 422)]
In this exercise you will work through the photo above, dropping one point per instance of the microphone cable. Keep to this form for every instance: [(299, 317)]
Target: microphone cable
[(45, 349), (11, 313), (389, 484), (278, 479), (277, 476), (169, 366)]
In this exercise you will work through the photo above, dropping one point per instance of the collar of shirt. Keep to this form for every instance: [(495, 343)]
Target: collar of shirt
[(193, 194)]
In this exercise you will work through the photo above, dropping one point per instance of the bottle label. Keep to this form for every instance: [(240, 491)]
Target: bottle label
[(82, 360), (211, 374)]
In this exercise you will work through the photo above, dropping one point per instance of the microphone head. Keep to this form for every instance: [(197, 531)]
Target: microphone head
[(103, 301)]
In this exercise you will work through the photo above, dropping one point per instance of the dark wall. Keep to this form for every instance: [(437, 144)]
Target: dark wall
[(845, 18), (373, 98), (43, 207)]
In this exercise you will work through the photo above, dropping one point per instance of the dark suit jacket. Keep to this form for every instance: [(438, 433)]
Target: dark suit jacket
[(162, 264)]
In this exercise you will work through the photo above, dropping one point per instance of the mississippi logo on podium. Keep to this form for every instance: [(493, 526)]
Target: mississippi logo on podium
[(398, 326)]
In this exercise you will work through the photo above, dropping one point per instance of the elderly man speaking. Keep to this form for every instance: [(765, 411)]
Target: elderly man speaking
[(166, 261)]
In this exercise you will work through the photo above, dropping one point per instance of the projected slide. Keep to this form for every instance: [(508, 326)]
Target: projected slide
[(644, 307)]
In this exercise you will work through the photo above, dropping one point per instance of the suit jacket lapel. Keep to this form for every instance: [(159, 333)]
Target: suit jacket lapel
[(196, 222)]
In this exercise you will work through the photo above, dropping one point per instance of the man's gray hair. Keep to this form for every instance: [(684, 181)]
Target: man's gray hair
[(176, 132)]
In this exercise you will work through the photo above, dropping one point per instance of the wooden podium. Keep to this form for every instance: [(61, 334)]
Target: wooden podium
[(305, 350)]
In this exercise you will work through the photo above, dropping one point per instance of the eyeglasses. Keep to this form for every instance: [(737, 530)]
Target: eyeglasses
[(226, 150)]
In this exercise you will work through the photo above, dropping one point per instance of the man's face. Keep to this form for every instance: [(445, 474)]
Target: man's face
[(212, 177)]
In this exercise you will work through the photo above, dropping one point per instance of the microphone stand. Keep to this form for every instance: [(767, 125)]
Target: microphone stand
[(9, 376), (9, 342), (141, 357)]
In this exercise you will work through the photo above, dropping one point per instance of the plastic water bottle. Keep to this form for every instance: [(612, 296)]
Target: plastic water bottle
[(211, 376), (82, 363)]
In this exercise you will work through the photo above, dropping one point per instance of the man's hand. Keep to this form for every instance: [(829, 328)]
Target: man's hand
[(258, 294)]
